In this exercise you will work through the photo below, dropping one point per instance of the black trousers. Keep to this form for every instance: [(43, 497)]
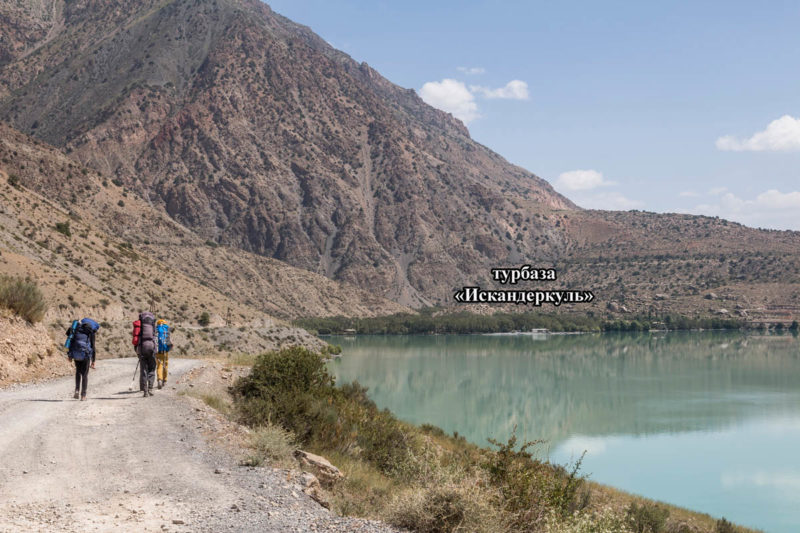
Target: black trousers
[(147, 374), (82, 375)]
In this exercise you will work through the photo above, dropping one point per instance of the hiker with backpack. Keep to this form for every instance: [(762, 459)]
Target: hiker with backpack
[(145, 339), (164, 346), (80, 346)]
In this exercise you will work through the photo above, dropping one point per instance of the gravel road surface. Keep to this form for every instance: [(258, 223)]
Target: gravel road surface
[(120, 462)]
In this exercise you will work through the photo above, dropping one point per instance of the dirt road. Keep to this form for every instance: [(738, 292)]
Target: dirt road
[(120, 462)]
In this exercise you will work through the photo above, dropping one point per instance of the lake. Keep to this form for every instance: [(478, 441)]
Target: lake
[(704, 420)]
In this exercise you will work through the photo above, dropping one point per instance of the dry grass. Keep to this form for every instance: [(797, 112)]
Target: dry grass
[(451, 507), (605, 497), (241, 359), (272, 445), (364, 491)]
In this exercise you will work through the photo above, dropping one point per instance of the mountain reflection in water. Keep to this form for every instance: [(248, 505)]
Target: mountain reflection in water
[(702, 419)]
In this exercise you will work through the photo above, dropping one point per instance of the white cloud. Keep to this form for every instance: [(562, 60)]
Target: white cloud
[(513, 90), (472, 71), (781, 135), (770, 209), (454, 97), (774, 199), (579, 184), (451, 96), (716, 191), (689, 194), (581, 180), (613, 201), (576, 445), (784, 481)]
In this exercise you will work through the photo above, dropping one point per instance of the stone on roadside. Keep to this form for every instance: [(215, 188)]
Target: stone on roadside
[(325, 471), (312, 488)]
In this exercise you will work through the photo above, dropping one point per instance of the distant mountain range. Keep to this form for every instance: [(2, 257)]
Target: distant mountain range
[(231, 125)]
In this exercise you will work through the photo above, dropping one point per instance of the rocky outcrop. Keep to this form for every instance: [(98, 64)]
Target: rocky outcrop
[(27, 352)]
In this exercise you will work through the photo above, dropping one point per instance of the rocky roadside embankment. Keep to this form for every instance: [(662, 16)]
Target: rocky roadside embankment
[(28, 353)]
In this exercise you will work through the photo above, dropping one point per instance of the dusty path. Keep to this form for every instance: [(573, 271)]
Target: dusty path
[(120, 462)]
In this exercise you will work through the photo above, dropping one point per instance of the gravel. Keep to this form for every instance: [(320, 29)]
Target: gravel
[(125, 463)]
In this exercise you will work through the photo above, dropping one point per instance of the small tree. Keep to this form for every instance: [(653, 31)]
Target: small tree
[(204, 319)]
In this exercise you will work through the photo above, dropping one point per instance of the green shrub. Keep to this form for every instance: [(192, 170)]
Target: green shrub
[(331, 349), (204, 319), (288, 387), (63, 228), (23, 297), (293, 388), (531, 487), (723, 526), (646, 518), (13, 180)]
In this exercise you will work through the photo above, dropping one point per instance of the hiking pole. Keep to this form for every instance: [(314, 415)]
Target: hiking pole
[(136, 371)]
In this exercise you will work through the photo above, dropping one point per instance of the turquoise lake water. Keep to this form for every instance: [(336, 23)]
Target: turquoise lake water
[(705, 420)]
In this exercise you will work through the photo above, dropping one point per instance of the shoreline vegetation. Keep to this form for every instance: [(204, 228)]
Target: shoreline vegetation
[(418, 477), (434, 321)]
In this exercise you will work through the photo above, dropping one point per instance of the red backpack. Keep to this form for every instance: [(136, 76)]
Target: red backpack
[(137, 330)]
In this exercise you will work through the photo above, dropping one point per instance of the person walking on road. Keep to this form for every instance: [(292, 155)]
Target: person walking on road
[(81, 349), (146, 350), (164, 346)]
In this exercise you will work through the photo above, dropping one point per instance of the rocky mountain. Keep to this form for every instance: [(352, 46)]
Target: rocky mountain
[(96, 249), (249, 131), (256, 134), (76, 194)]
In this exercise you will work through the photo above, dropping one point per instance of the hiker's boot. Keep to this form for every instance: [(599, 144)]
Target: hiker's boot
[(83, 398), (76, 395), (160, 384)]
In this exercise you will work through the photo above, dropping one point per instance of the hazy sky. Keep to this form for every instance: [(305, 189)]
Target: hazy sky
[(663, 106)]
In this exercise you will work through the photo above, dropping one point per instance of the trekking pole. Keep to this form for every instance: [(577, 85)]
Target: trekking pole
[(136, 371)]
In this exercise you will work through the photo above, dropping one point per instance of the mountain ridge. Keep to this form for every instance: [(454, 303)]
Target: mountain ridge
[(251, 132), (243, 130)]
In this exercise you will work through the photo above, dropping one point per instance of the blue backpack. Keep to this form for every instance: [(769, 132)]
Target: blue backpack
[(80, 346), (164, 344)]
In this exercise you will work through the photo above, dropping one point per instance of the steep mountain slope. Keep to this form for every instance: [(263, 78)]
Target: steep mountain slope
[(96, 250), (250, 131), (257, 134), (75, 194)]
